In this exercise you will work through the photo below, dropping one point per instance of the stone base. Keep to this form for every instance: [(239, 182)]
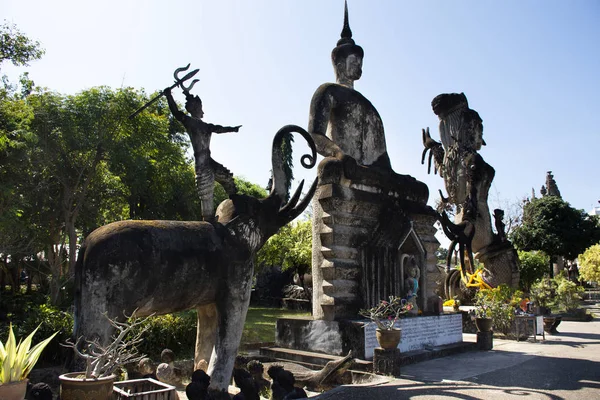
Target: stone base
[(386, 362), (485, 340), (339, 337)]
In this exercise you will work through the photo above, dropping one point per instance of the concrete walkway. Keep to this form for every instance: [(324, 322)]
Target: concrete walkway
[(564, 366)]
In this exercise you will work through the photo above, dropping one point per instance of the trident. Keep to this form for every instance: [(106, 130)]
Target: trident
[(178, 82)]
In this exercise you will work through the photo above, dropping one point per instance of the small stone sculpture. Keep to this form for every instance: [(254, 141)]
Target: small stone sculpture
[(257, 371), (283, 387), (147, 368), (166, 371), (248, 387), (200, 132), (500, 226), (411, 284), (40, 391), (197, 389)]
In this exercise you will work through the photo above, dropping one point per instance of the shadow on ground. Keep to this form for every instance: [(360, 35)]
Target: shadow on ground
[(540, 373)]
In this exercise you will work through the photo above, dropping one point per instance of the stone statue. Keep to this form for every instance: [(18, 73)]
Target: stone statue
[(411, 284), (162, 267), (467, 179), (347, 128), (551, 189), (363, 210), (499, 224), (200, 132)]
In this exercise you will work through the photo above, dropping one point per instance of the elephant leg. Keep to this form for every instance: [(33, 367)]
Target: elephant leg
[(206, 333), (232, 306)]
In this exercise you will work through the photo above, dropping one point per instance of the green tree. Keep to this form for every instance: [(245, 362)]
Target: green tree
[(534, 264), (17, 238), (243, 187), (589, 264), (551, 225), (290, 248), (442, 255), (73, 163), (16, 47)]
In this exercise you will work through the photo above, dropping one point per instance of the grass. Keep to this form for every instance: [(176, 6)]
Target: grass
[(260, 323)]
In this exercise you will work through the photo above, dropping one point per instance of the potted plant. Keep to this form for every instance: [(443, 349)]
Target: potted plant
[(483, 312), (384, 315), (102, 362), (16, 362), (542, 293)]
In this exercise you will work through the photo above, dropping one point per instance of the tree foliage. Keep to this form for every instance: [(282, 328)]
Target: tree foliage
[(290, 248), (441, 254), (16, 47), (534, 264), (243, 187), (551, 225), (589, 264), (72, 163)]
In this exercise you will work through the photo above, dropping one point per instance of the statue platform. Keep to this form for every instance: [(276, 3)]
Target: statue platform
[(336, 338)]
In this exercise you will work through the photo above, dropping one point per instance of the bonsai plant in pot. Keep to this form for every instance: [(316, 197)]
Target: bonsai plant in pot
[(384, 315), (101, 362), (542, 292), (16, 362)]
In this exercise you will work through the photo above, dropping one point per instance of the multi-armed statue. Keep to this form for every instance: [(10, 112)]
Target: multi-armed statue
[(467, 179)]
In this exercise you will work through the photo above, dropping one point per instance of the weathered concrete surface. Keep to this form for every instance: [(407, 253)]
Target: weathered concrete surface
[(564, 366)]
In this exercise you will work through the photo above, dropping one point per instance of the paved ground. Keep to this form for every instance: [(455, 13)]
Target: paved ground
[(564, 366)]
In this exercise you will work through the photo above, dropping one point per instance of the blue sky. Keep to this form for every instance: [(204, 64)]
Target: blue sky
[(530, 68)]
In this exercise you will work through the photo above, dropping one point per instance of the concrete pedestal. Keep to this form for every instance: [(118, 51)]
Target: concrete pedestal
[(485, 340), (386, 362)]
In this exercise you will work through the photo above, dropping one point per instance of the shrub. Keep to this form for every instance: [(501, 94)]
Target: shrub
[(171, 331), (568, 294), (499, 304), (534, 264), (27, 311), (589, 264)]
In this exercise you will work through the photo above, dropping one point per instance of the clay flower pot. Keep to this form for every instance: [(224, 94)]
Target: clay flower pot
[(484, 324), (14, 390), (550, 324), (388, 338), (72, 387)]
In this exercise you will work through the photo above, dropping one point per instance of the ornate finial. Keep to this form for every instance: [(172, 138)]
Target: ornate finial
[(345, 45), (346, 35)]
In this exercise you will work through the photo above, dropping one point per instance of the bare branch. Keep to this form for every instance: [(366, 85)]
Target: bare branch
[(104, 360)]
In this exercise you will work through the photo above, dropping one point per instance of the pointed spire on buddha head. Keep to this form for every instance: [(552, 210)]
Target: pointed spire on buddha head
[(347, 55)]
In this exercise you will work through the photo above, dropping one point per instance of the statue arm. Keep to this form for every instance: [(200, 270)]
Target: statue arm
[(177, 113), (436, 151), (223, 129), (320, 109)]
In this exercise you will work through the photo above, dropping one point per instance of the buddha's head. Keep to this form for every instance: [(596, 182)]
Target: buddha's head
[(347, 56)]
